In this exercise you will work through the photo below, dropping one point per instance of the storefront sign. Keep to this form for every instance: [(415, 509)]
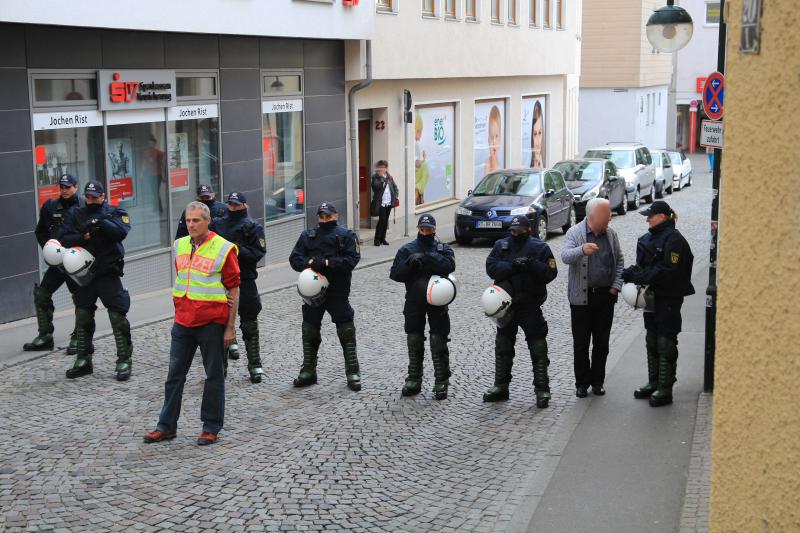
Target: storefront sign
[(135, 89), (48, 192), (67, 119), (192, 112), (121, 189), (699, 83), (282, 106)]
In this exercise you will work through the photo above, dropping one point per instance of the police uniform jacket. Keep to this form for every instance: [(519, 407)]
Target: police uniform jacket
[(665, 262), (437, 259), (529, 276), (52, 216), (218, 209), (332, 242), (248, 236), (107, 225)]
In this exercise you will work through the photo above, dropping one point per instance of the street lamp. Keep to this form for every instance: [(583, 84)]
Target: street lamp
[(669, 28)]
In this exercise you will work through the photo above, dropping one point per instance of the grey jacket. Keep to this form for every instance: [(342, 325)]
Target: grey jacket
[(572, 255)]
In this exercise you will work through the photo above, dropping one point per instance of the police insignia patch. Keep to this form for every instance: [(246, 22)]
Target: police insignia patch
[(125, 219), (551, 263), (674, 257), (358, 246), (262, 242)]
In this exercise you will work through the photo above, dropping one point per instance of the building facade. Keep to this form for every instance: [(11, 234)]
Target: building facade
[(247, 97), (624, 84)]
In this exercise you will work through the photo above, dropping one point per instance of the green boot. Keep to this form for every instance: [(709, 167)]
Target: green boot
[(122, 338), (541, 381), (503, 360), (441, 365), (233, 349), (416, 355), (347, 338), (645, 391), (72, 349), (667, 365), (84, 318), (43, 303), (250, 336), (311, 342)]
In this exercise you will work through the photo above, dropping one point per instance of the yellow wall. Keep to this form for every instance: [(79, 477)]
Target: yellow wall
[(755, 481)]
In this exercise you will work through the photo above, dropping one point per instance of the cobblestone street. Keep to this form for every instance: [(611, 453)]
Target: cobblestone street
[(321, 458)]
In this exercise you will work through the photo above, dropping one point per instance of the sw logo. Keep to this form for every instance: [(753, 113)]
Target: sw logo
[(123, 91)]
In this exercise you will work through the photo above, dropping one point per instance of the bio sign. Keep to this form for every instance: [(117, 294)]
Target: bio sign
[(135, 89)]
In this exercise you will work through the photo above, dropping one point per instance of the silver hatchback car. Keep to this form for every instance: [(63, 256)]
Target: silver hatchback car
[(635, 165)]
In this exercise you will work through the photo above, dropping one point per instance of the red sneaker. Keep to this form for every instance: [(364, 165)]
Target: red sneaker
[(158, 436), (206, 438)]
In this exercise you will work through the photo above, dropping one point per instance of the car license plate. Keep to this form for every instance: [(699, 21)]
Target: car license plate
[(493, 224)]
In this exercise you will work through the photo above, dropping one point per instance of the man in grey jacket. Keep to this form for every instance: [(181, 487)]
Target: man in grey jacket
[(592, 251)]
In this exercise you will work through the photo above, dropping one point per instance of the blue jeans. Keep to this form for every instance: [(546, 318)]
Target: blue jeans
[(185, 341)]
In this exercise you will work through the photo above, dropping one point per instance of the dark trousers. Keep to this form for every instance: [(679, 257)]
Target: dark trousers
[(249, 300), (665, 321), (185, 341), (438, 318), (337, 305), (108, 288), (530, 319), (54, 277), (592, 323), (383, 223)]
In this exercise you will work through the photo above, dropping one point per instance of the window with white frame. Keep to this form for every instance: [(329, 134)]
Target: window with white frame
[(533, 12), (497, 11), (450, 9), (548, 13), (513, 6), (471, 10), (429, 8), (712, 14), (560, 13), (386, 6)]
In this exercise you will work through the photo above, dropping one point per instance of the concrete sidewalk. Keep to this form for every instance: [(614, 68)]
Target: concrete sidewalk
[(620, 465)]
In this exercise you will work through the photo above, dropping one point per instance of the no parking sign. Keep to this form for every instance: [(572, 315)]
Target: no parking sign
[(713, 95)]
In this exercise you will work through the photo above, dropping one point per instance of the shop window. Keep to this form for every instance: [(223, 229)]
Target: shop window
[(188, 87), (434, 153), (284, 179), (49, 91), (282, 84)]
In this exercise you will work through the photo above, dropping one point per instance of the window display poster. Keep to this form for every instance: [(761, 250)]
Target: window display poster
[(434, 153), (489, 142), (121, 167), (532, 140), (178, 161), (52, 161)]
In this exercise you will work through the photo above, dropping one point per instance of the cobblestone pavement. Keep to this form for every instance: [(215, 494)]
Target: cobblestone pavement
[(321, 458), (694, 515)]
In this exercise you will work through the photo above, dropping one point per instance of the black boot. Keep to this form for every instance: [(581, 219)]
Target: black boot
[(667, 365), (233, 349), (43, 303), (416, 355), (441, 365), (84, 318), (72, 349), (122, 338), (250, 336), (645, 391), (541, 381), (503, 360), (347, 338), (311, 342)]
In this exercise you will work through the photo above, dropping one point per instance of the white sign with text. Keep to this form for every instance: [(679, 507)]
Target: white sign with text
[(711, 134), (67, 119), (190, 112), (282, 106)]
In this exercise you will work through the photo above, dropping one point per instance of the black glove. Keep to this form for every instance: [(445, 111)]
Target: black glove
[(247, 230), (520, 264), (415, 260), (630, 274), (317, 263)]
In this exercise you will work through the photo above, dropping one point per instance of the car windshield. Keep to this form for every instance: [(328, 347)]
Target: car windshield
[(621, 158), (509, 184), (675, 158), (580, 170), (656, 158)]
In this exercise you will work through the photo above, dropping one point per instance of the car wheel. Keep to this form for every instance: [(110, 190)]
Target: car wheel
[(651, 195), (680, 180), (541, 228), (570, 221), (660, 192), (669, 191), (637, 200), (463, 241), (622, 208), (689, 183)]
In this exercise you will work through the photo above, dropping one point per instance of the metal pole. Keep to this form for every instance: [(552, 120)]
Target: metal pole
[(355, 224), (405, 170), (711, 291)]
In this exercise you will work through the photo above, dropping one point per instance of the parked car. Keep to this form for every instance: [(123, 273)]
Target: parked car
[(634, 163), (539, 194), (681, 168), (593, 178), (663, 172)]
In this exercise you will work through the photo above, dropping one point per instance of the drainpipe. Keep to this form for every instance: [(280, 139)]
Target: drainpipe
[(351, 102)]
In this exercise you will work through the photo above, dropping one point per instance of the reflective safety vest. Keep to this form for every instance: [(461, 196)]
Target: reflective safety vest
[(200, 275)]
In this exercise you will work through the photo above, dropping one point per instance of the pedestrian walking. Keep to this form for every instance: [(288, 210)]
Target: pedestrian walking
[(525, 265), (385, 197), (413, 265), (206, 299), (333, 251), (663, 265), (594, 255)]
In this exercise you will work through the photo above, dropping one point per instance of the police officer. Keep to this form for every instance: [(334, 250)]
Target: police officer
[(663, 263), (100, 229), (51, 221), (413, 265), (205, 194), (526, 265), (248, 236), (333, 251)]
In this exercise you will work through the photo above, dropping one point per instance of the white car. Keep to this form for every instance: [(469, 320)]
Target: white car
[(664, 174), (681, 169), (635, 165)]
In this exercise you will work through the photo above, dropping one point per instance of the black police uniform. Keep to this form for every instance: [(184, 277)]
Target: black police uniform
[(339, 246), (107, 226), (664, 263), (248, 236), (413, 265), (525, 265), (218, 210)]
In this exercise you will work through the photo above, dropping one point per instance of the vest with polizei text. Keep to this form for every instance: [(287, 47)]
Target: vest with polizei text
[(199, 275)]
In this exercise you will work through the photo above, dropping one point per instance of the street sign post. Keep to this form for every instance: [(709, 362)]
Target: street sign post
[(713, 95), (711, 134)]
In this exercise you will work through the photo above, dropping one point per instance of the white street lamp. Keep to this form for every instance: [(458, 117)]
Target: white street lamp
[(669, 28)]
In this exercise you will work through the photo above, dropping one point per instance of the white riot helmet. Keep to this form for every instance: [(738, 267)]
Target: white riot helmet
[(78, 264), (497, 305), (53, 253), (636, 295), (441, 291), (312, 287)]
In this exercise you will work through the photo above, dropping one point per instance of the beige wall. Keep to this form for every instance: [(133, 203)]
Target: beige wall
[(755, 484)]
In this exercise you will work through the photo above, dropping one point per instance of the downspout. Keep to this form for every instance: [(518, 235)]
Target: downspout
[(351, 102)]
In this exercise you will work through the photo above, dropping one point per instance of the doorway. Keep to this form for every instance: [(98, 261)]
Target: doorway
[(364, 166)]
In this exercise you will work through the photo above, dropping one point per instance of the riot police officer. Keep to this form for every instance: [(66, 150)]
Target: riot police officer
[(248, 236), (100, 228), (413, 265), (526, 265), (334, 252), (51, 220), (664, 264), (205, 194)]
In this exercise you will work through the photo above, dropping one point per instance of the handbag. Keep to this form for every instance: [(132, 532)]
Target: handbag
[(396, 202)]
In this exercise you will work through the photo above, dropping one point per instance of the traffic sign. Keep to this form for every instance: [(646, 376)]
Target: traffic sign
[(713, 95), (711, 134)]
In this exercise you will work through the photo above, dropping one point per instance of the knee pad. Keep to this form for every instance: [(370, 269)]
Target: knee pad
[(42, 297), (84, 318)]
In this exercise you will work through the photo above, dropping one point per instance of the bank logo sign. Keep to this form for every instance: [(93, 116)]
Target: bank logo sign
[(135, 89)]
